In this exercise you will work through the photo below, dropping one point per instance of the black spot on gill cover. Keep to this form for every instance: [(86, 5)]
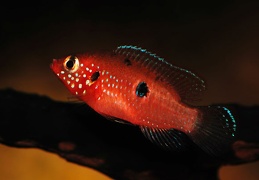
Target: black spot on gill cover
[(95, 76), (142, 89)]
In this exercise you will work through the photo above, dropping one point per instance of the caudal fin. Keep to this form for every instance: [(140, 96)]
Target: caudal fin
[(214, 130)]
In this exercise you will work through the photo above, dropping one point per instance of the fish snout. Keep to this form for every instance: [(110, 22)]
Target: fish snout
[(53, 63)]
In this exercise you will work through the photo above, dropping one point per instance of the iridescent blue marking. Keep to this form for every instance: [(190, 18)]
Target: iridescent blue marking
[(232, 119)]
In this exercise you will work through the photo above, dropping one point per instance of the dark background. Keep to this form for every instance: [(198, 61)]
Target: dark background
[(216, 39)]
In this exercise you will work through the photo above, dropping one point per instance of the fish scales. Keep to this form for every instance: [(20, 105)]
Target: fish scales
[(138, 87), (161, 98)]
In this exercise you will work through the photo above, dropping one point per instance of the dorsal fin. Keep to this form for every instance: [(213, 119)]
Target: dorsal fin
[(189, 86)]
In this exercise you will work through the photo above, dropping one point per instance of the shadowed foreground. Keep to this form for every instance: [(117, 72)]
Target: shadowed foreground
[(78, 134)]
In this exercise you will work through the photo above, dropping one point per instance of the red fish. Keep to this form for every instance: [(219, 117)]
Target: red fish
[(136, 86)]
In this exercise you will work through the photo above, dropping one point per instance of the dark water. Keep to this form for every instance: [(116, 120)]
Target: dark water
[(218, 40)]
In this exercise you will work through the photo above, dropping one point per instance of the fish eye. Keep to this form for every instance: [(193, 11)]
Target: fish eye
[(142, 89), (71, 64)]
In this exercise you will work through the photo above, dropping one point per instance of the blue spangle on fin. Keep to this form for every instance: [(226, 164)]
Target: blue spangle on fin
[(215, 130), (189, 86), (231, 124)]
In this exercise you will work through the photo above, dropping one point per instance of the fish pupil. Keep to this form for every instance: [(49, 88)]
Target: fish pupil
[(142, 89), (70, 63), (95, 76)]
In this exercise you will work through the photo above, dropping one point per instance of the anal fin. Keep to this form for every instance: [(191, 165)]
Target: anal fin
[(169, 139)]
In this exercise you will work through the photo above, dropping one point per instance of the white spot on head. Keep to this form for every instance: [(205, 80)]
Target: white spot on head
[(107, 80), (77, 79), (87, 68), (109, 85), (68, 82), (87, 82), (103, 72), (84, 92), (81, 64), (99, 98), (57, 74), (62, 72), (76, 93), (64, 78), (92, 65), (69, 75), (90, 70), (76, 74), (72, 78), (80, 86), (84, 75), (104, 90), (72, 85)]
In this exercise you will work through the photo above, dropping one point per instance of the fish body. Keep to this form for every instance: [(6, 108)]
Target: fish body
[(136, 86)]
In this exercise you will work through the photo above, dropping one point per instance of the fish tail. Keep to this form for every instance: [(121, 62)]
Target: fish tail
[(214, 130)]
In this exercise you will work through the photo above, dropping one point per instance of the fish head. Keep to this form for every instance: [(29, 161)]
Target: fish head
[(77, 73)]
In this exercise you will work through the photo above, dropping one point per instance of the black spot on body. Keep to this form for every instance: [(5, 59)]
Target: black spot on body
[(160, 78), (142, 89), (157, 78), (95, 76), (127, 62), (113, 53)]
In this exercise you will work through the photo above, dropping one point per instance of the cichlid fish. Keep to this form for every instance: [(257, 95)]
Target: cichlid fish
[(136, 86)]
